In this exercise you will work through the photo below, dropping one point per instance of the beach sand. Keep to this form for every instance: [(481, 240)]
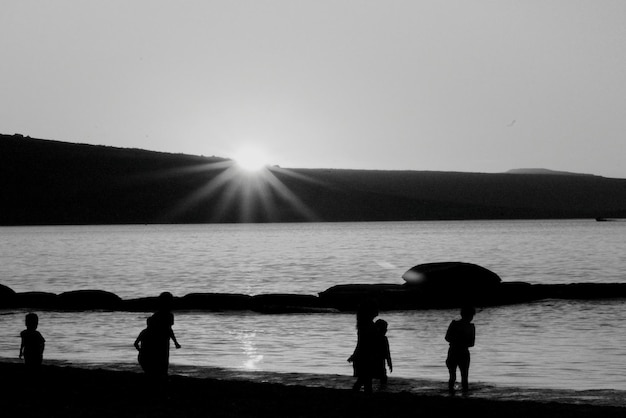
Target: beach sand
[(66, 391)]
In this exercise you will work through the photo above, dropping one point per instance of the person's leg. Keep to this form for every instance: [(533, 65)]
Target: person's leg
[(464, 367), (452, 371), (367, 385)]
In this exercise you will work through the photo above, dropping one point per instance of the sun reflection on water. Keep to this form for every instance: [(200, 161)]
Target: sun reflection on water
[(247, 341)]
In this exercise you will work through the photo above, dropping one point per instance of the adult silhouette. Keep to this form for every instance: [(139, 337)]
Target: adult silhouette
[(366, 354), (461, 335)]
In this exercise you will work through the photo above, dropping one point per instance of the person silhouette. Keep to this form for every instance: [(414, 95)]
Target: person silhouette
[(33, 342), (384, 354), (162, 321), (461, 335), (365, 356), (145, 344)]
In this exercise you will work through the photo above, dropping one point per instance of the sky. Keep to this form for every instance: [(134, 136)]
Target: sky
[(471, 86)]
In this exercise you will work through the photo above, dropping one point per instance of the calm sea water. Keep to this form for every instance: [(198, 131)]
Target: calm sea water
[(549, 344)]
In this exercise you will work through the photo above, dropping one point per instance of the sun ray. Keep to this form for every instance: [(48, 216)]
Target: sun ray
[(207, 190), (296, 175), (294, 200), (226, 200), (183, 171), (237, 195)]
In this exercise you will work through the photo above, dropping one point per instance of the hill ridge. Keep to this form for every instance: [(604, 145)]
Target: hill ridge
[(55, 182)]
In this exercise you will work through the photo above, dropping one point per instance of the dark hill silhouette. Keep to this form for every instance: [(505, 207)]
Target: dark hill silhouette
[(544, 171), (52, 182)]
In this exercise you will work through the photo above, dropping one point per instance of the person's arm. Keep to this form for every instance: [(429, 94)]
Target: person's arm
[(388, 355), (472, 337), (138, 340), (449, 332), (22, 348), (354, 353), (173, 337)]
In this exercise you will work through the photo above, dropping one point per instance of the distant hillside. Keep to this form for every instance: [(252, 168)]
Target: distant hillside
[(51, 182), (544, 171)]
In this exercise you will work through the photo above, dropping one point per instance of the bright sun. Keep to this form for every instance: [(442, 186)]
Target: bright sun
[(251, 159)]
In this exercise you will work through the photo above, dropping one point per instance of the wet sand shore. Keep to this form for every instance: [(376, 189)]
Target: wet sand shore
[(64, 391)]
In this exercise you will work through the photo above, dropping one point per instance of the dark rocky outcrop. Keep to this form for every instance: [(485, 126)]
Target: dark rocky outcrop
[(336, 298), (289, 303), (89, 299), (7, 296), (214, 302), (581, 291), (399, 297), (37, 300), (348, 297), (147, 304), (451, 275)]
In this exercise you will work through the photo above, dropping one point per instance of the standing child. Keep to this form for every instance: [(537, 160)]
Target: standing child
[(461, 335), (33, 342), (385, 354), (162, 321)]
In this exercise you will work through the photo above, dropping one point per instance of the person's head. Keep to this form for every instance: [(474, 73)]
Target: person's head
[(468, 312), (32, 321), (166, 300), (149, 322), (368, 310), (381, 324)]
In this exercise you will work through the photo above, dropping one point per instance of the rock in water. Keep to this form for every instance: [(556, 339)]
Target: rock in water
[(6, 296), (89, 299), (451, 275)]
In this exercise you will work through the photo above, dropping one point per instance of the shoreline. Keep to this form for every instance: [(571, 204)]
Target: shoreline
[(96, 390), (70, 391)]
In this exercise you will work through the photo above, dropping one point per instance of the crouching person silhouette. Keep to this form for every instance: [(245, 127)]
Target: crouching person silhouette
[(145, 344), (461, 335)]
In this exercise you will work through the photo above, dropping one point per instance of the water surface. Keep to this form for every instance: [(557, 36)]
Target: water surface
[(546, 344)]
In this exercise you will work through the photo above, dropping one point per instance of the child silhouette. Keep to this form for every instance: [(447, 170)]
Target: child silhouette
[(461, 335), (163, 320), (145, 344), (33, 342), (384, 353)]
